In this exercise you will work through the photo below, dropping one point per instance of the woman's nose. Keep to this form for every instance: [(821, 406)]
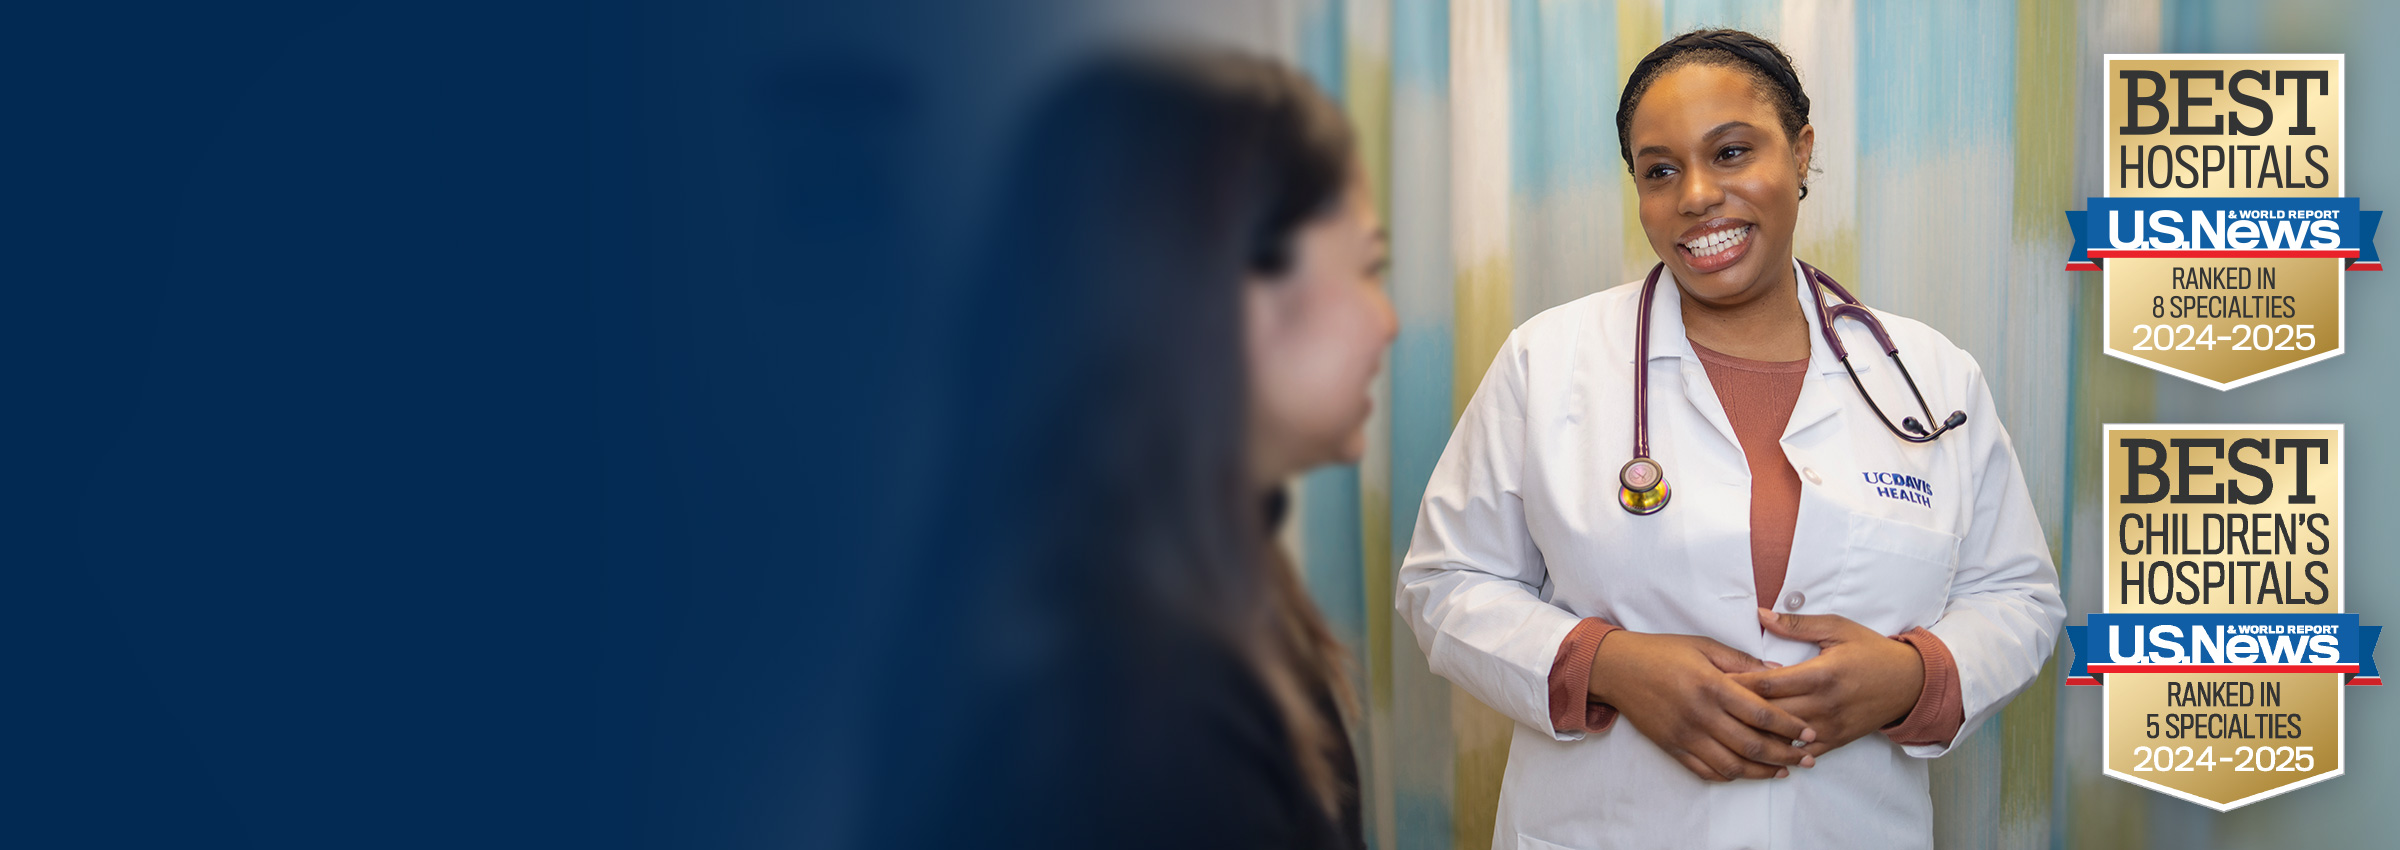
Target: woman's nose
[(1701, 193)]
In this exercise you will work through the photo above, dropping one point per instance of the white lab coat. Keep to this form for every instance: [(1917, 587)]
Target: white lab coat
[(1520, 536)]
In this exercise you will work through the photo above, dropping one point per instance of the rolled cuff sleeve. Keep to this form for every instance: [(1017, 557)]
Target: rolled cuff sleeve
[(1941, 707), (1572, 709)]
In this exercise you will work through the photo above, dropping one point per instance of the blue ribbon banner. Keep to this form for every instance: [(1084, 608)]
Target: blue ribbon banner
[(2223, 228), (2223, 643)]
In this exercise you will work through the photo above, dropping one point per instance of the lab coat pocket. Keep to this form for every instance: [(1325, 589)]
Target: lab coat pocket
[(1897, 574)]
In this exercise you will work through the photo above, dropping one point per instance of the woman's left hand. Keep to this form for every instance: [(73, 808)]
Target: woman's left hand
[(1859, 683)]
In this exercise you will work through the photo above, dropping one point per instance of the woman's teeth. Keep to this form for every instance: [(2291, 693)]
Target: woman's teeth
[(1716, 243)]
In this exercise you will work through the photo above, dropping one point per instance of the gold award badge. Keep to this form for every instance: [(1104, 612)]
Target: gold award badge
[(2222, 649), (2224, 239)]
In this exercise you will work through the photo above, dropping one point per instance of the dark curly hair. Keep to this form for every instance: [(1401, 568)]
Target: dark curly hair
[(1776, 79)]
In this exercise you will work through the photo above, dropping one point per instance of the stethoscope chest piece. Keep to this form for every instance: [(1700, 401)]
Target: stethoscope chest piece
[(1642, 486)]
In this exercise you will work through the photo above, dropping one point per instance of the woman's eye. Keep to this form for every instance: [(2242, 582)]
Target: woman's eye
[(1732, 151), (1658, 171)]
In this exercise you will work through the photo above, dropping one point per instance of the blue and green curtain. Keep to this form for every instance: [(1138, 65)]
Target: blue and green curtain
[(1950, 137)]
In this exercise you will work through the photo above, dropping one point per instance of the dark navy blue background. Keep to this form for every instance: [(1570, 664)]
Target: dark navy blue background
[(456, 424)]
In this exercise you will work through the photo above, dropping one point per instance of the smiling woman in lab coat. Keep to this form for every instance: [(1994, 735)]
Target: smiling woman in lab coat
[(1821, 606)]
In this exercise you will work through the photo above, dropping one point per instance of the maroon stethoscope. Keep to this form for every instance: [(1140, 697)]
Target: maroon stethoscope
[(1643, 483)]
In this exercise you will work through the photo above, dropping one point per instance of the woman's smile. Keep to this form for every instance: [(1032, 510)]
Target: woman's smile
[(1716, 244), (1719, 171)]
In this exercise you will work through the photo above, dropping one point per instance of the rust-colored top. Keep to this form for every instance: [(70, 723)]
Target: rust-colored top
[(1758, 397)]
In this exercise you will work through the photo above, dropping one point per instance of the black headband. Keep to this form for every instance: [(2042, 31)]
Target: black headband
[(1758, 53)]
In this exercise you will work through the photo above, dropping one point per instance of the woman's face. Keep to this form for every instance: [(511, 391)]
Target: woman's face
[(1316, 337), (1719, 182)]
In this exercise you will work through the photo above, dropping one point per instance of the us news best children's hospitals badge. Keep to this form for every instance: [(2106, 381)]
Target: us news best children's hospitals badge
[(2224, 237), (2222, 651)]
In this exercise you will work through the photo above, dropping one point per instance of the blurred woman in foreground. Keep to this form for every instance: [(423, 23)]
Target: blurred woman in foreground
[(1188, 312)]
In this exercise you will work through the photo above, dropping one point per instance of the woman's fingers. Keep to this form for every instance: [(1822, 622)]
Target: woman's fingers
[(1698, 768), (1724, 714), (1730, 660), (1811, 707), (1803, 678), (1820, 629), (1832, 732), (1726, 762), (1756, 712), (1755, 746)]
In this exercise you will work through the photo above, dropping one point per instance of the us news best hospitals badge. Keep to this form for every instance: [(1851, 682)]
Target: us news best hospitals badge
[(2224, 238), (2222, 651)]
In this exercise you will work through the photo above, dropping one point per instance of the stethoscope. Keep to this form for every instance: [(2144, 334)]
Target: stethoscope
[(1643, 482)]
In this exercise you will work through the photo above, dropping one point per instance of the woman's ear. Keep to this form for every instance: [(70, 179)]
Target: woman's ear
[(1804, 149)]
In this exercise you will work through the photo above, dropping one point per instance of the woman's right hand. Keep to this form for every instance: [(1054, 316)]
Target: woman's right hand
[(1677, 691)]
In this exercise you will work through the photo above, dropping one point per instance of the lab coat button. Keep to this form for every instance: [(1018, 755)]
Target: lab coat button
[(1811, 475), (1793, 600)]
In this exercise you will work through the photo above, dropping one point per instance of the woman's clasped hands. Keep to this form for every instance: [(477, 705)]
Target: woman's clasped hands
[(1725, 715)]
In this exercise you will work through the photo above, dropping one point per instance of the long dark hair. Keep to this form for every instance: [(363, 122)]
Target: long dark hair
[(1110, 397)]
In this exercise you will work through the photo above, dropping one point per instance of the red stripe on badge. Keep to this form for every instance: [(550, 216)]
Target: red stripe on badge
[(2222, 668), (2105, 253)]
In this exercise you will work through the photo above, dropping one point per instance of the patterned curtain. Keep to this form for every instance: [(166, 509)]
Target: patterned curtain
[(1490, 128), (1950, 139)]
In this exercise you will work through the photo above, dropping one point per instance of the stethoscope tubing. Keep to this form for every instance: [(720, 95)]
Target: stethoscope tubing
[(1641, 370), (1652, 497)]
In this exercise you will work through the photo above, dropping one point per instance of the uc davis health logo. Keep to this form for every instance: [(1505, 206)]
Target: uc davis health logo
[(1900, 487)]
